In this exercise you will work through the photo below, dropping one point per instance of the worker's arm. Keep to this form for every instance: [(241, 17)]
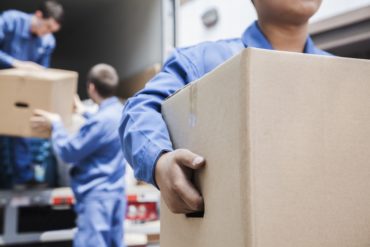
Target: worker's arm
[(77, 147), (81, 109), (70, 148), (6, 26), (143, 132), (146, 142), (44, 60)]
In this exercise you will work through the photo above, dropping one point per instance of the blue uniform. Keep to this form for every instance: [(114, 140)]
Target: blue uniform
[(143, 132), (98, 169), (17, 42)]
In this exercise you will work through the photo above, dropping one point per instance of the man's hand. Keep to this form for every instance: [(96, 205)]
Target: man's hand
[(27, 65), (173, 174), (78, 107), (42, 120)]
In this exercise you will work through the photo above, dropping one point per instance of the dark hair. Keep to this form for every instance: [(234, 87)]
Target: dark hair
[(52, 9), (105, 79)]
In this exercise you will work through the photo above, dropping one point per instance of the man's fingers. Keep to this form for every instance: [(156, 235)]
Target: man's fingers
[(189, 159), (39, 124), (182, 185), (37, 119), (77, 98), (184, 208), (189, 195), (39, 112), (187, 192), (35, 66), (173, 175)]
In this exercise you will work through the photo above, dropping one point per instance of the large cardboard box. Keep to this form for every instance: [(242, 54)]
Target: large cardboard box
[(22, 91), (286, 137)]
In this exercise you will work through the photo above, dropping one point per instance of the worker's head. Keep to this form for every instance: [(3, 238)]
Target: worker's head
[(286, 11), (48, 18), (102, 82)]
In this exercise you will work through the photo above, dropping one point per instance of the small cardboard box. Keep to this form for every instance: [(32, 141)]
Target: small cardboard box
[(22, 91), (286, 137)]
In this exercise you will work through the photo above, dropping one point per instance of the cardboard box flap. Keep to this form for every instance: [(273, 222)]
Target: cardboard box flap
[(44, 74)]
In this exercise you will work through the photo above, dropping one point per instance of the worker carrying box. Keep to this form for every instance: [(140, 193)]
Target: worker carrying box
[(26, 42), (25, 155), (169, 162)]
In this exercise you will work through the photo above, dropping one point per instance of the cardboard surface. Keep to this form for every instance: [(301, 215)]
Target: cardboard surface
[(286, 138), (23, 91)]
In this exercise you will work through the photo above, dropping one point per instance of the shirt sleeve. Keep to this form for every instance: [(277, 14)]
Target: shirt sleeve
[(87, 114), (45, 58), (6, 61), (143, 132), (73, 149)]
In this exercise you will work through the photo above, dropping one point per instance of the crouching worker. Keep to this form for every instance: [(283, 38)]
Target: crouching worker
[(98, 166)]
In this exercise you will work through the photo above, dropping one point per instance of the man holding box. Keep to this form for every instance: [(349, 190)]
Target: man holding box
[(98, 166), (27, 42), (281, 25)]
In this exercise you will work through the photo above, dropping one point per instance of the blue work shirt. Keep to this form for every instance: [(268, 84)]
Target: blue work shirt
[(143, 132), (17, 41), (98, 166)]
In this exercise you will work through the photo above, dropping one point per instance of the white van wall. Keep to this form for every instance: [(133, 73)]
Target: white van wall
[(236, 15)]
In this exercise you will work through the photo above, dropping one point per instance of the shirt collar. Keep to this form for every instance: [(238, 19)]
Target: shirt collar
[(254, 37), (26, 29), (107, 102), (310, 47)]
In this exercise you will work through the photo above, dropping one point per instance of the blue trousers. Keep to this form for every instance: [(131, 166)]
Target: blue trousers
[(100, 222)]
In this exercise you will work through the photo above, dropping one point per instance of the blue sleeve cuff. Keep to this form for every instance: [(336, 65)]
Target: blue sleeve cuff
[(6, 60), (10, 61), (56, 125), (155, 165), (87, 114), (147, 160)]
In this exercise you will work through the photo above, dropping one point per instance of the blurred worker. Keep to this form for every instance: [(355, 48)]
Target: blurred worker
[(27, 42), (98, 166), (281, 25)]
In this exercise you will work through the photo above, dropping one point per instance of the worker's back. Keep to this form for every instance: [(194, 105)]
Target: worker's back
[(104, 168)]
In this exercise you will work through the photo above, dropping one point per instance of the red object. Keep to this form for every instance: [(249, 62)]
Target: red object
[(141, 211), (132, 198), (67, 200)]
